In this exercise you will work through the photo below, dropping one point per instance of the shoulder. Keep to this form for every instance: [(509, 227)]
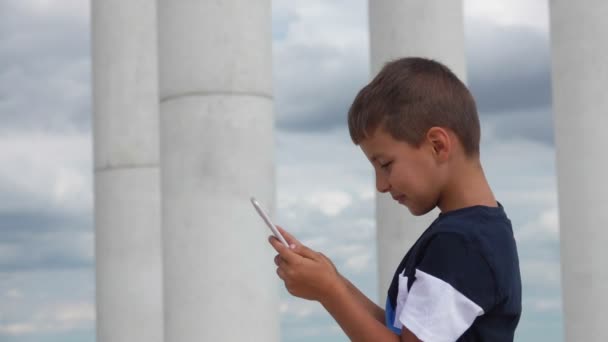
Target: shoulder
[(483, 228), (453, 248), (451, 285), (478, 236)]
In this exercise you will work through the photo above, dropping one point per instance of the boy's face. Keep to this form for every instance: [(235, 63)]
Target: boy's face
[(411, 175)]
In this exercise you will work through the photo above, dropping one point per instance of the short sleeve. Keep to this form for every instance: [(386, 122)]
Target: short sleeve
[(454, 284)]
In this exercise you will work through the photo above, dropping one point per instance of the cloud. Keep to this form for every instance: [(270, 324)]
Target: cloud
[(331, 203), (515, 13), (541, 273), (545, 227), (45, 232), (14, 293), (543, 305), (46, 250), (328, 183), (44, 171), (44, 65), (46, 201), (520, 165), (529, 124), (76, 10), (318, 74), (320, 62), (52, 319), (45, 304), (509, 67), (361, 262), (297, 308)]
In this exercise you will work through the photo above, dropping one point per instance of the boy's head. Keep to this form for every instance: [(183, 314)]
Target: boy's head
[(412, 120)]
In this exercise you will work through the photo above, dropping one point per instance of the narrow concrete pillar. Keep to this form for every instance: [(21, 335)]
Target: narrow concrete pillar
[(127, 196), (217, 150), (580, 109), (398, 28)]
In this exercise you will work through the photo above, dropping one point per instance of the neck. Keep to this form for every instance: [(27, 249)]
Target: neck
[(468, 188)]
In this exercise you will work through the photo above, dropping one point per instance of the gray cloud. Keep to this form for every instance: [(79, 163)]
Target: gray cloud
[(315, 86), (26, 222), (43, 241), (44, 69), (508, 67), (320, 60), (44, 87), (508, 73), (530, 124)]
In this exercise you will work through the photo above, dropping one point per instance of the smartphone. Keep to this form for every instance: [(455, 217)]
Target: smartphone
[(269, 223)]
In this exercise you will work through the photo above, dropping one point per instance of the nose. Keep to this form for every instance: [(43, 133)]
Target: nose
[(382, 184)]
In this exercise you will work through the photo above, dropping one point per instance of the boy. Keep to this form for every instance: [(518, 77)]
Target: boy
[(417, 124)]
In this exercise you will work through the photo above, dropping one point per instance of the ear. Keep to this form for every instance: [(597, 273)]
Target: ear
[(441, 143)]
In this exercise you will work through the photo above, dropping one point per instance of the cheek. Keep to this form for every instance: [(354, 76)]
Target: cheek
[(408, 180), (427, 181), (434, 186)]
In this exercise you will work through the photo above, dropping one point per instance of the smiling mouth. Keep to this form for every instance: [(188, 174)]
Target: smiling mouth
[(399, 198)]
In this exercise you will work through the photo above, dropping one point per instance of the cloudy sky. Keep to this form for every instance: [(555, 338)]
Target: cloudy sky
[(321, 59)]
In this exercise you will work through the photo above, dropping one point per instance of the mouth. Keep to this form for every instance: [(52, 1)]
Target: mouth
[(399, 198)]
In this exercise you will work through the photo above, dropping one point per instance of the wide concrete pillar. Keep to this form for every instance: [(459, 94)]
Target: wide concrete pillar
[(580, 107), (217, 150), (400, 28), (127, 196)]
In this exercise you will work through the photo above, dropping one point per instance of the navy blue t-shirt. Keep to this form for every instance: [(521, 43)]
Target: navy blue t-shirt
[(460, 281)]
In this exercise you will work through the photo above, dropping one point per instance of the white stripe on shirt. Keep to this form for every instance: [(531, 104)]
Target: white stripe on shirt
[(435, 311)]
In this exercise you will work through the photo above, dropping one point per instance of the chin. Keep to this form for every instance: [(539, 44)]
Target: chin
[(420, 210)]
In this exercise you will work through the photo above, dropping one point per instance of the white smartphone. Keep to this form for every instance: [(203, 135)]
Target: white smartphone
[(269, 223)]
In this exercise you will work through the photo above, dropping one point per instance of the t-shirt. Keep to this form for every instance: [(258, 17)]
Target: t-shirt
[(460, 281)]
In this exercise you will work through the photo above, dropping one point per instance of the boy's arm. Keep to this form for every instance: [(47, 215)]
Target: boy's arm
[(356, 321), (371, 307)]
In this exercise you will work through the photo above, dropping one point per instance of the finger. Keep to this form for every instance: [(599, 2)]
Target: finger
[(281, 273), (277, 259), (286, 254), (297, 246), (305, 252), (288, 237), (275, 243)]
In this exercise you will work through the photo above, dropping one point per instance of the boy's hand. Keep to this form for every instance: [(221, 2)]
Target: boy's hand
[(307, 274)]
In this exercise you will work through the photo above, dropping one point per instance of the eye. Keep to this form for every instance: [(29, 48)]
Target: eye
[(385, 166)]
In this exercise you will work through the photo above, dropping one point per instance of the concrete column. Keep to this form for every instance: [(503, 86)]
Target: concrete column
[(580, 106), (217, 150), (398, 28), (127, 197)]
